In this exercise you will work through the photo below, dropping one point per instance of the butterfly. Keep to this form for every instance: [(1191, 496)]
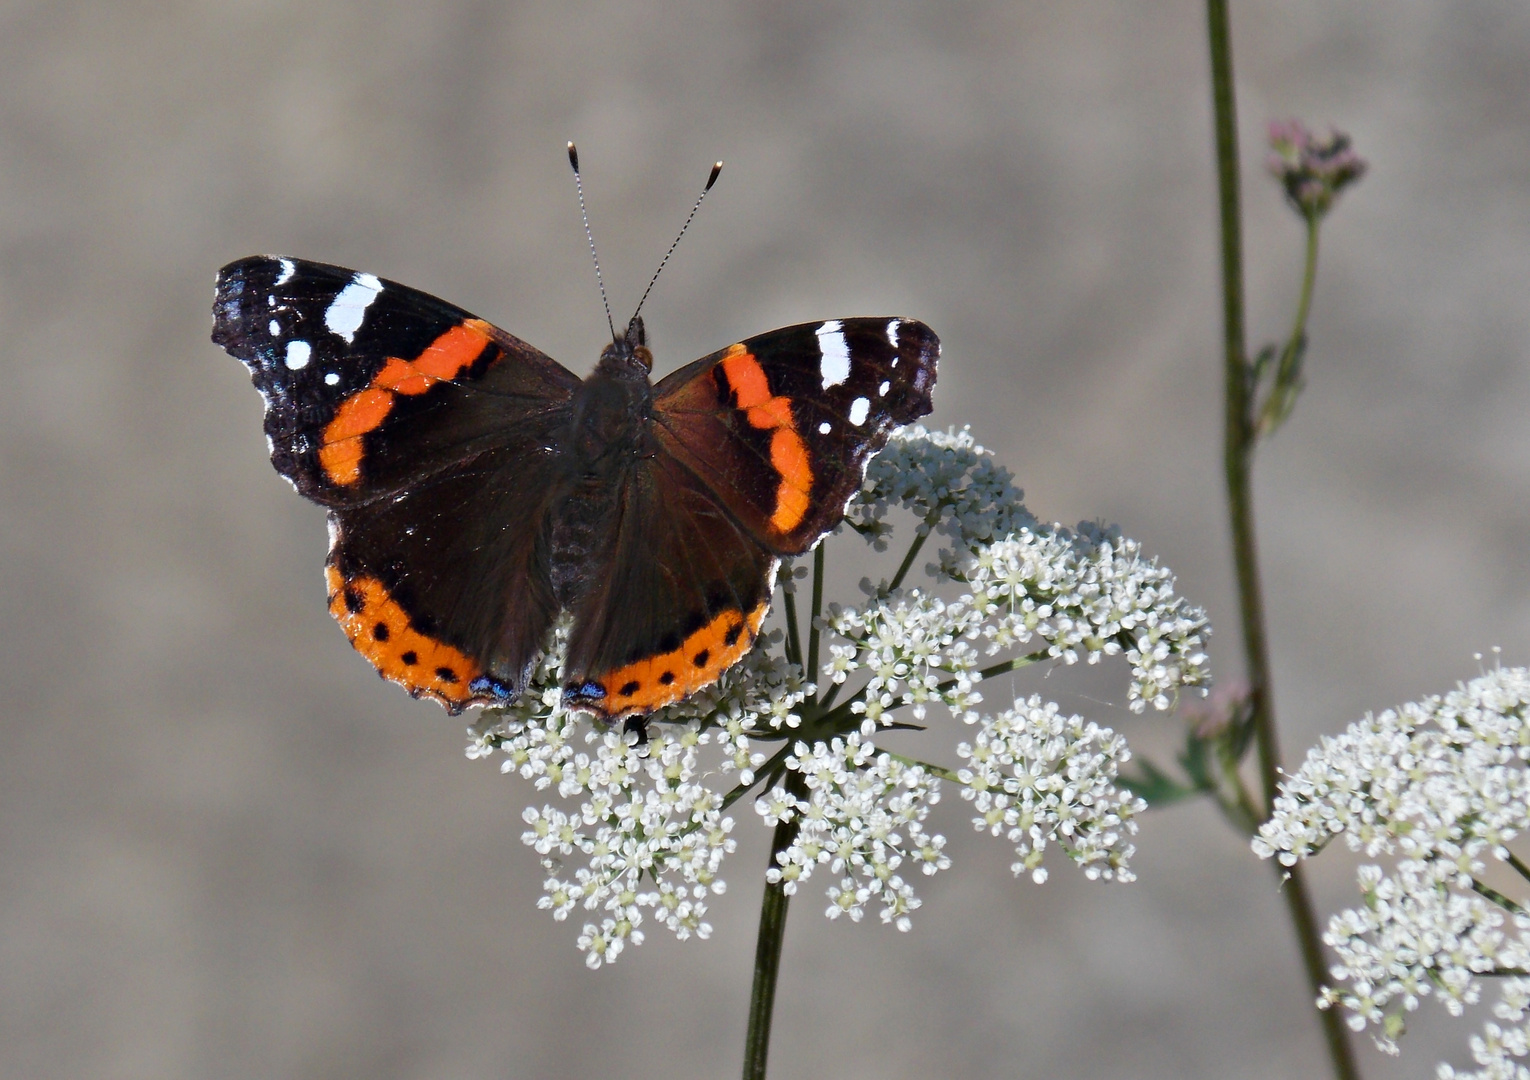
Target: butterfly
[(477, 489)]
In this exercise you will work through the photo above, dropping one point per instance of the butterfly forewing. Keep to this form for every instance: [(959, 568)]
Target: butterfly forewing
[(780, 426), (369, 385)]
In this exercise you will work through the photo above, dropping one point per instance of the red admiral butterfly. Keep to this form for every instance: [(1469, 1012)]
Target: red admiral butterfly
[(476, 488)]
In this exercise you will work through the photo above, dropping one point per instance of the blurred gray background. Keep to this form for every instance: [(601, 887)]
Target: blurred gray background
[(228, 850)]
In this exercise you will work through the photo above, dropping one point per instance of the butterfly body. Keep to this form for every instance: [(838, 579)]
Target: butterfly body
[(477, 489)]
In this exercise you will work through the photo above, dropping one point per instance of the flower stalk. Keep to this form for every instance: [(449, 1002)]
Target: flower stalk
[(1239, 438), (767, 949)]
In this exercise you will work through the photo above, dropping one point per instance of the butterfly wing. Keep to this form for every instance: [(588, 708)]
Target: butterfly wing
[(429, 435), (683, 592), (346, 361), (756, 451), (779, 427)]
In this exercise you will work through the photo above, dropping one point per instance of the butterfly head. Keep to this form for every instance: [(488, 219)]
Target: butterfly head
[(628, 355)]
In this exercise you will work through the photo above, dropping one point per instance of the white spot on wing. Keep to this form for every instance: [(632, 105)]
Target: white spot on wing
[(275, 328), (298, 353), (332, 379), (346, 311), (858, 410), (882, 390), (834, 352), (892, 332), (825, 427), (287, 270)]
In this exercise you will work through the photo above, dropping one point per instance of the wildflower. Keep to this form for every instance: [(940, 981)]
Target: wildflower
[(641, 831), (1439, 786), (1312, 170)]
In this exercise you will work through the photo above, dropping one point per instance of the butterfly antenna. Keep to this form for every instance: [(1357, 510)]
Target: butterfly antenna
[(717, 168), (573, 159)]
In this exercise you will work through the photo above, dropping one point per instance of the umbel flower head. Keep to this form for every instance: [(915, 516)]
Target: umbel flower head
[(1440, 787), (641, 829), (1312, 169)]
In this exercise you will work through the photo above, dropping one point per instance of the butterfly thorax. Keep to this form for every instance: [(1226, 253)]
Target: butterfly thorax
[(607, 437)]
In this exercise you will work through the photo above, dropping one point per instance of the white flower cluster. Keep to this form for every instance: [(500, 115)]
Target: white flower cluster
[(1085, 592), (652, 832), (914, 647), (863, 816), (1089, 592), (949, 483), (1036, 777), (647, 822), (1441, 784)]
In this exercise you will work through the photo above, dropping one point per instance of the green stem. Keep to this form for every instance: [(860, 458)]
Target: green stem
[(767, 951), (1497, 897), (812, 661), (1520, 868), (1304, 302), (1237, 459), (1237, 802), (908, 560), (765, 772), (934, 770), (793, 634)]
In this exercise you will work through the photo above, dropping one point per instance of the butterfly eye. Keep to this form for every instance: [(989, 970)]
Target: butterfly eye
[(644, 357)]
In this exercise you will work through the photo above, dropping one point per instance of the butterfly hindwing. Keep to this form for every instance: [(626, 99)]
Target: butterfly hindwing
[(444, 587), (682, 592), (780, 426)]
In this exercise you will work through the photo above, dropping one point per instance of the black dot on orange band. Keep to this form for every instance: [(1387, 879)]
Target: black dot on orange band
[(410, 658), (701, 658), (446, 674), (354, 601), (667, 678), (628, 689), (731, 637), (380, 631)]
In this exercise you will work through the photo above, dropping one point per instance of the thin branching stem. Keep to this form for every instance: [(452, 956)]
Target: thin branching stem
[(812, 657), (793, 633), (1498, 898), (1519, 867), (1237, 458), (934, 770), (908, 560), (1304, 302)]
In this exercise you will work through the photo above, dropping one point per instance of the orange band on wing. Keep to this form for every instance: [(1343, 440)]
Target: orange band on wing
[(788, 453), (650, 684), (381, 631), (447, 357), (746, 377)]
